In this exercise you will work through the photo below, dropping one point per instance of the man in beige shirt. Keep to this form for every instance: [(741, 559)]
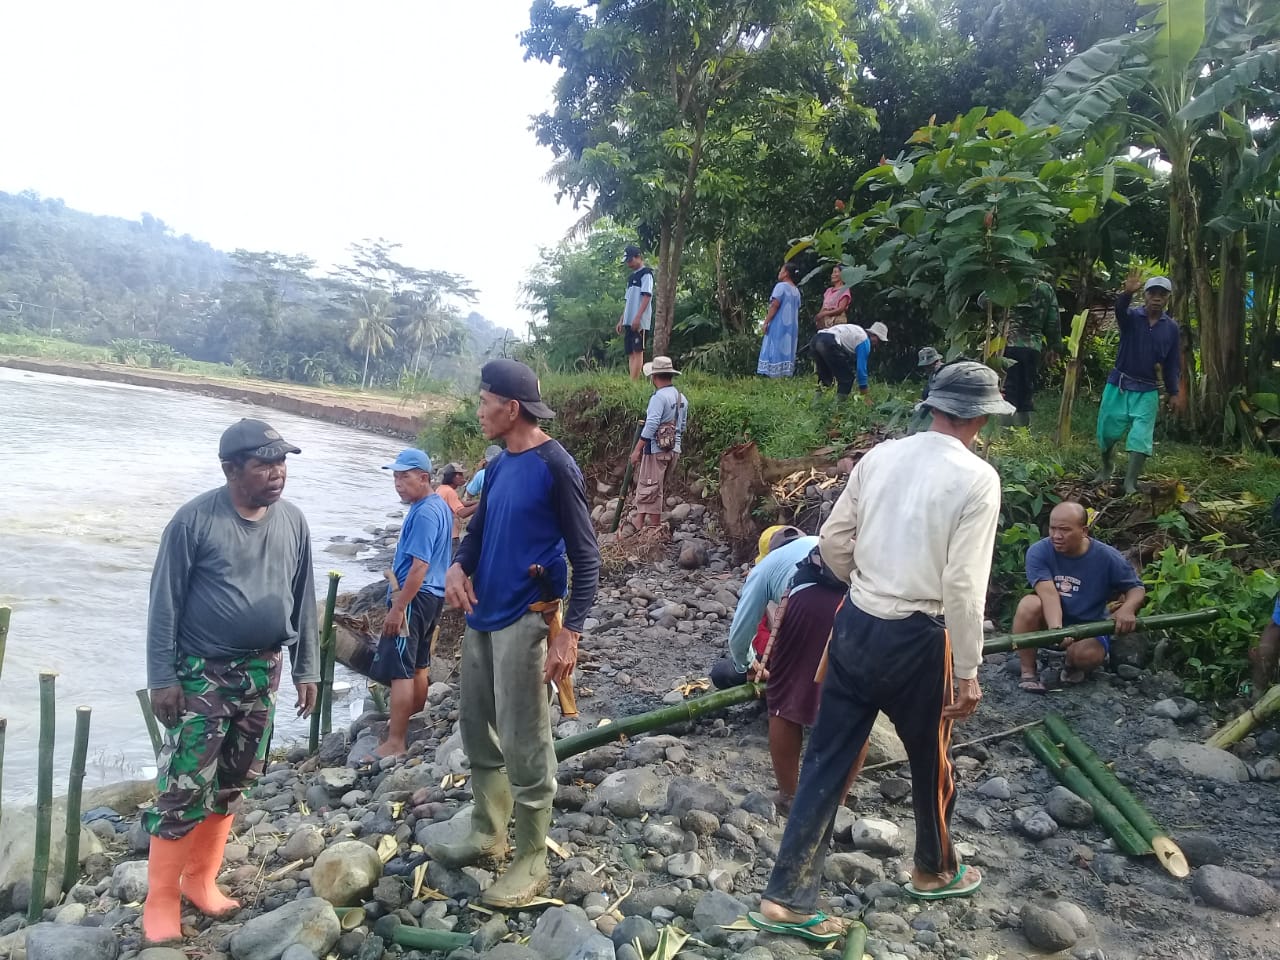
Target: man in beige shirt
[(913, 535)]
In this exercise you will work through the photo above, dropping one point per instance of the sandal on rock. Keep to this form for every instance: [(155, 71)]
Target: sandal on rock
[(797, 928), (1032, 685), (956, 888)]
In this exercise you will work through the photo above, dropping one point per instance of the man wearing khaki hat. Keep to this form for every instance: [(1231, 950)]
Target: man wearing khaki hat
[(656, 452), (841, 352)]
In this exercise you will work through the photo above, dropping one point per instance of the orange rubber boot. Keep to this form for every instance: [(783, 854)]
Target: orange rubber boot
[(162, 913), (199, 878)]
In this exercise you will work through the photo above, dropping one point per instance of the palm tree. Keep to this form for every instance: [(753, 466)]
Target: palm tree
[(424, 324), (373, 329)]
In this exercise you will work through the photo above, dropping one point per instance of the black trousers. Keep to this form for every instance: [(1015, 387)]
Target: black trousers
[(833, 362), (1020, 379), (902, 667)]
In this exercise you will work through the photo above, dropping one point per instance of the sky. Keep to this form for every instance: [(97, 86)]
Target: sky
[(289, 126)]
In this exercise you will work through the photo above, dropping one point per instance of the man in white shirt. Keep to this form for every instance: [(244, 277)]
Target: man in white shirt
[(907, 641), (637, 309)]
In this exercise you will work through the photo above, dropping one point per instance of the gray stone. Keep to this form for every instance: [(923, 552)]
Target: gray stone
[(666, 838), (700, 823), (345, 873), (1234, 891), (51, 941), (1111, 868), (71, 913), (1201, 850), (512, 951), (310, 922), (1177, 709), (1268, 769), (888, 925), (717, 909), (630, 793), (895, 789), (884, 745), (1034, 824), (407, 779), (1068, 809), (129, 881), (337, 780), (297, 952), (633, 928), (881, 837), (693, 555), (360, 750), (851, 868), (304, 843), (997, 788), (1073, 914), (1046, 929), (448, 831), (17, 851), (594, 947), (685, 794), (1200, 760), (490, 933), (459, 884), (560, 932), (760, 805), (684, 865), (161, 953), (845, 819)]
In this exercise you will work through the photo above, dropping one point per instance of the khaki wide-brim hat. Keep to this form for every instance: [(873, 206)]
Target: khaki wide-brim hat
[(660, 365)]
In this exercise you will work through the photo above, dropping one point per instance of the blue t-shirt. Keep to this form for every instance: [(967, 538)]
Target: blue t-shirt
[(1085, 583), (533, 509), (476, 484), (427, 535)]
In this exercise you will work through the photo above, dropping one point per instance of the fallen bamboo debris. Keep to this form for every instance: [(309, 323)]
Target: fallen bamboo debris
[(1238, 728), (1095, 628)]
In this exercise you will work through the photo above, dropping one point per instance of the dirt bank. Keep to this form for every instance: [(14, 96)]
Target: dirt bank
[(364, 411)]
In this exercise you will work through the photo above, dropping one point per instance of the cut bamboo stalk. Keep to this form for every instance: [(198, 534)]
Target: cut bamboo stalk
[(75, 784), (1238, 728), (855, 942), (1069, 775), (1096, 628), (326, 643), (44, 798), (1167, 852), (5, 612), (626, 482), (4, 726), (657, 719), (149, 717), (416, 938)]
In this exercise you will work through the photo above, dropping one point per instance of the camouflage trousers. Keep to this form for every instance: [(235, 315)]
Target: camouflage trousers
[(219, 747)]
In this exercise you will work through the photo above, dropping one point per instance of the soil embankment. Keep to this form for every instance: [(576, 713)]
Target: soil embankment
[(364, 411)]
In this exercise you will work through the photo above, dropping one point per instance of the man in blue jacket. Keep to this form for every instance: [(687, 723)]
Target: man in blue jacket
[(1131, 399)]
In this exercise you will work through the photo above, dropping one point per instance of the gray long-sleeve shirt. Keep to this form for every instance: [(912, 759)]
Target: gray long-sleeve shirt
[(224, 587)]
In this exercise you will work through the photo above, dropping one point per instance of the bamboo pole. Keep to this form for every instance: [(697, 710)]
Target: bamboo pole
[(1238, 728), (44, 798), (417, 938), (1167, 852), (1047, 638), (4, 726), (626, 481), (71, 863), (4, 633), (321, 717), (855, 942), (657, 719), (1071, 378), (1069, 775), (149, 717)]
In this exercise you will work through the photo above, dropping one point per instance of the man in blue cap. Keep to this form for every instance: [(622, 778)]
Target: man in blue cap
[(403, 658)]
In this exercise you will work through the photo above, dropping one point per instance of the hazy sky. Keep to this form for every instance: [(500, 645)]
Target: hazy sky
[(292, 126)]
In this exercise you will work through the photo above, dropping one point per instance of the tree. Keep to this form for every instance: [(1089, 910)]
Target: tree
[(653, 92), (373, 331)]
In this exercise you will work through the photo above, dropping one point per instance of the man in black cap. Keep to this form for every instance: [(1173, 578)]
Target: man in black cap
[(637, 310), (532, 522), (231, 587)]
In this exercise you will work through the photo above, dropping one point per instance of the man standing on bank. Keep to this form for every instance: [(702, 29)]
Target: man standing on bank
[(917, 615), (1131, 399), (232, 585), (533, 511), (637, 309)]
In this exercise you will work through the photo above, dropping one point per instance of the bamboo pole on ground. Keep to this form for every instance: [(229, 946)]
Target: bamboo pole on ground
[(1069, 775), (321, 717), (657, 719), (5, 613), (417, 938), (80, 749), (1047, 638), (855, 942), (1238, 728), (44, 798), (149, 718), (1167, 852), (626, 482)]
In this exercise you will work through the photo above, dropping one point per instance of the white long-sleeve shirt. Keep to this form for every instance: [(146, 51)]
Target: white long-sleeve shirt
[(914, 531)]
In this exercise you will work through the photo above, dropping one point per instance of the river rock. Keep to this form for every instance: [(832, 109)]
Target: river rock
[(337, 780), (880, 837), (630, 793), (693, 555), (1067, 809), (1073, 914), (666, 838), (685, 794), (1200, 760), (407, 778), (1201, 850), (49, 941), (298, 952), (997, 788), (17, 851), (560, 932), (636, 928), (1034, 824), (852, 868), (1177, 709), (1234, 891), (162, 953), (345, 873), (884, 745), (305, 843), (895, 789), (684, 865), (310, 922), (717, 909), (450, 831), (1046, 929)]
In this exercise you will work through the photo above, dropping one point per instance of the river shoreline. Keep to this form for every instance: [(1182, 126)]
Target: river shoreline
[(376, 414)]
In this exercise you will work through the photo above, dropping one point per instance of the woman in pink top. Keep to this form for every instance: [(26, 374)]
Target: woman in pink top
[(835, 302)]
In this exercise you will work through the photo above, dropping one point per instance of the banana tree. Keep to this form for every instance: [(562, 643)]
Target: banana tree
[(1194, 68)]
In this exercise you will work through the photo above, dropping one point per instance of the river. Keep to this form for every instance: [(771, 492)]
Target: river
[(90, 474)]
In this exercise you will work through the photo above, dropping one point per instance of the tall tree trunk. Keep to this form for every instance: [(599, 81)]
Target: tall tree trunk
[(417, 358), (364, 377), (1183, 231), (664, 293), (669, 265)]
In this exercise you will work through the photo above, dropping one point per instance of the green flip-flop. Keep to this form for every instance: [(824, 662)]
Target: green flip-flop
[(955, 888), (802, 928)]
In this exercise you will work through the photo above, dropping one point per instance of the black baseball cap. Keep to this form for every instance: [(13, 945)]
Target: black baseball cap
[(631, 251), (514, 380), (253, 438)]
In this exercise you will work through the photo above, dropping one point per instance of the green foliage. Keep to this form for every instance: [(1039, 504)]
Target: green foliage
[(1214, 658), (145, 353), (33, 345)]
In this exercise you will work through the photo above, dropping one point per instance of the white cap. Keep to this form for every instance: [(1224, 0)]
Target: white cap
[(880, 330), (1158, 283)]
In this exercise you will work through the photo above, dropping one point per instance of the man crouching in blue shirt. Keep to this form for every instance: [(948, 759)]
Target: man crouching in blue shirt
[(1073, 577), (533, 511)]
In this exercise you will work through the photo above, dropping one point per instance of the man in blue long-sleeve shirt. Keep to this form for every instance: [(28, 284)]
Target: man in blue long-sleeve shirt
[(1130, 400)]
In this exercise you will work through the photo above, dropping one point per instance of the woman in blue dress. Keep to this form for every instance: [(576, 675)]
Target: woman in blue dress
[(781, 326)]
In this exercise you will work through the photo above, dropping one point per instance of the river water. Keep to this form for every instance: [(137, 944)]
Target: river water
[(90, 473)]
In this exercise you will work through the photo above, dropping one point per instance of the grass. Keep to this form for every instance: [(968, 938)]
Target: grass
[(51, 348)]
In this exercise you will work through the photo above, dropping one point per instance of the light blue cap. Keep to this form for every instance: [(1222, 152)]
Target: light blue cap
[(410, 459)]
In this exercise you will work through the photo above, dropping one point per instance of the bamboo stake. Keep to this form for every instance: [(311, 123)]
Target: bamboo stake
[(71, 863), (1236, 730), (657, 719), (1047, 638), (1067, 773), (1167, 852), (44, 798), (626, 481), (4, 726), (4, 633), (417, 938), (321, 717), (855, 942), (149, 717), (990, 737)]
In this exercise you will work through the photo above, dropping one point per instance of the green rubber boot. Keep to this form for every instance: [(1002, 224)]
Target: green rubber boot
[(488, 837), (1136, 462), (1108, 465), (526, 878)]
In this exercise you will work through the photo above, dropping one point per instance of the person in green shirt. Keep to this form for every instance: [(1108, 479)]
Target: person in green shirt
[(1035, 330)]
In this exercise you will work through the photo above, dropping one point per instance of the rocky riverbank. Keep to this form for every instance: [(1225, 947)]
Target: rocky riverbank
[(677, 829)]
